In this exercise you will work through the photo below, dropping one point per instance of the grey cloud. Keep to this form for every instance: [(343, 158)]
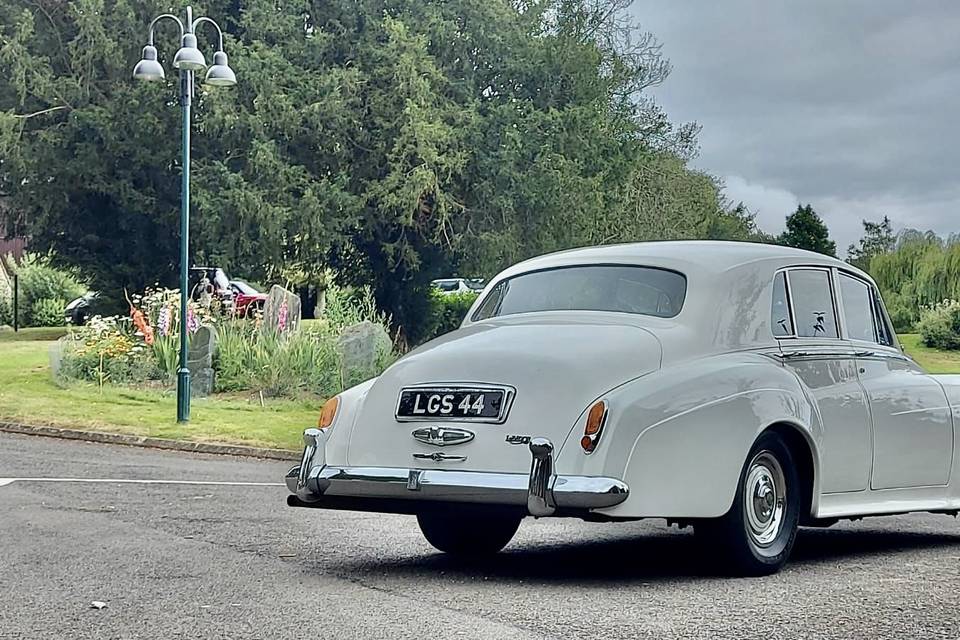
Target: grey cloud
[(848, 105)]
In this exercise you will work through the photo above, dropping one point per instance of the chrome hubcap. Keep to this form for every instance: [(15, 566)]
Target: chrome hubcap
[(764, 496)]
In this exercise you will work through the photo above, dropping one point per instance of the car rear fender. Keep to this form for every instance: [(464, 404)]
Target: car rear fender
[(679, 436)]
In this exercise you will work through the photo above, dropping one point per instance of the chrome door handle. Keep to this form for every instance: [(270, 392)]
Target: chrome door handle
[(792, 354)]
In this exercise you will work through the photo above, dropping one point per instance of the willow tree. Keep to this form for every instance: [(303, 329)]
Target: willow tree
[(922, 270)]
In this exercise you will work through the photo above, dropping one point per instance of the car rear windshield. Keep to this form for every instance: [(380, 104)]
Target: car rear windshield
[(628, 289)]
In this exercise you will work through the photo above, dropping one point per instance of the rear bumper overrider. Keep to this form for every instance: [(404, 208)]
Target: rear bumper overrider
[(541, 492)]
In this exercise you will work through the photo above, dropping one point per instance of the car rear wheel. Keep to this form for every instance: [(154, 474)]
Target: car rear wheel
[(465, 533), (756, 535)]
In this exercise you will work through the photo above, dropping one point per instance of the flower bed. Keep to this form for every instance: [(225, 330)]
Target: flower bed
[(143, 348)]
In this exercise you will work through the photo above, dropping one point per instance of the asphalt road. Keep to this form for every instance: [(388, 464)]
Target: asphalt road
[(216, 561)]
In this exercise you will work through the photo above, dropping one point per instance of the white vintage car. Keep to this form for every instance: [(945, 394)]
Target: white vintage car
[(745, 389)]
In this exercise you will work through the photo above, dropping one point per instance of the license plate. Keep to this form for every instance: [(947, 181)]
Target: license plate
[(456, 403)]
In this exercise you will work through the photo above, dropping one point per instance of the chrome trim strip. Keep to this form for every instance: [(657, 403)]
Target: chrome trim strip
[(921, 410), (787, 293), (856, 354), (509, 393)]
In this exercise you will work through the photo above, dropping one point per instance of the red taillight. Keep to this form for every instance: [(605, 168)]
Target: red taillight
[(596, 418)]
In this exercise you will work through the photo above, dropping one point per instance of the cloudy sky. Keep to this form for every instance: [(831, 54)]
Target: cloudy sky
[(850, 105)]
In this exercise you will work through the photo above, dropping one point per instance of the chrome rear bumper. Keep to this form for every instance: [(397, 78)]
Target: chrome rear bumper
[(539, 493)]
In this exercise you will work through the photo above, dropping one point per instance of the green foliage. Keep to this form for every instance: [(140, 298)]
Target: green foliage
[(805, 230), (921, 271), (166, 353), (306, 361), (394, 142), (6, 307), (902, 313), (251, 359), (447, 311), (345, 307), (43, 288), (939, 325), (878, 239), (732, 223), (48, 312)]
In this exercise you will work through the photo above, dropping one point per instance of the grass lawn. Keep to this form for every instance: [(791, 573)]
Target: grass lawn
[(933, 360), (33, 333), (29, 394)]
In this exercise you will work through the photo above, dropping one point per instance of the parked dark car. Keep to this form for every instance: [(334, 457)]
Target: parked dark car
[(78, 311)]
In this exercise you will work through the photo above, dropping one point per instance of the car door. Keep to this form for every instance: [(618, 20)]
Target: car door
[(805, 321), (912, 425)]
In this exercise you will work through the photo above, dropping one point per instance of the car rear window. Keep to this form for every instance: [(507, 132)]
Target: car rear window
[(627, 289)]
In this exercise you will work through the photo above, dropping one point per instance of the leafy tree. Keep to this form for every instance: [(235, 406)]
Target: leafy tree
[(395, 142), (805, 230), (878, 239), (922, 270)]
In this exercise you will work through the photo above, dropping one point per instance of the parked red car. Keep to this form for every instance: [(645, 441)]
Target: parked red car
[(247, 301)]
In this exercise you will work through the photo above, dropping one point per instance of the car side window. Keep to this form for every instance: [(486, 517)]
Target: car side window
[(857, 308), (813, 303), (780, 322), (884, 333), (488, 308)]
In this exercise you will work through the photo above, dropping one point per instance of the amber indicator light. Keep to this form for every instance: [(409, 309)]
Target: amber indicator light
[(591, 432), (329, 412)]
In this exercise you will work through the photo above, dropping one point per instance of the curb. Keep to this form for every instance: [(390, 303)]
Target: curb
[(147, 442)]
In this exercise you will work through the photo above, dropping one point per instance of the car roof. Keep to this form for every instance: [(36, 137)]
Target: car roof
[(685, 256), (728, 293)]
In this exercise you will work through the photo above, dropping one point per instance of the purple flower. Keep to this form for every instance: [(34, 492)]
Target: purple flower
[(163, 321), (193, 322)]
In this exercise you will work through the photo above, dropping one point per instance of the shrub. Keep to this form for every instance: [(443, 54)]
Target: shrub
[(445, 312), (939, 325), (39, 280), (346, 306), (6, 306), (453, 309), (48, 312), (308, 360), (902, 314), (250, 358)]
